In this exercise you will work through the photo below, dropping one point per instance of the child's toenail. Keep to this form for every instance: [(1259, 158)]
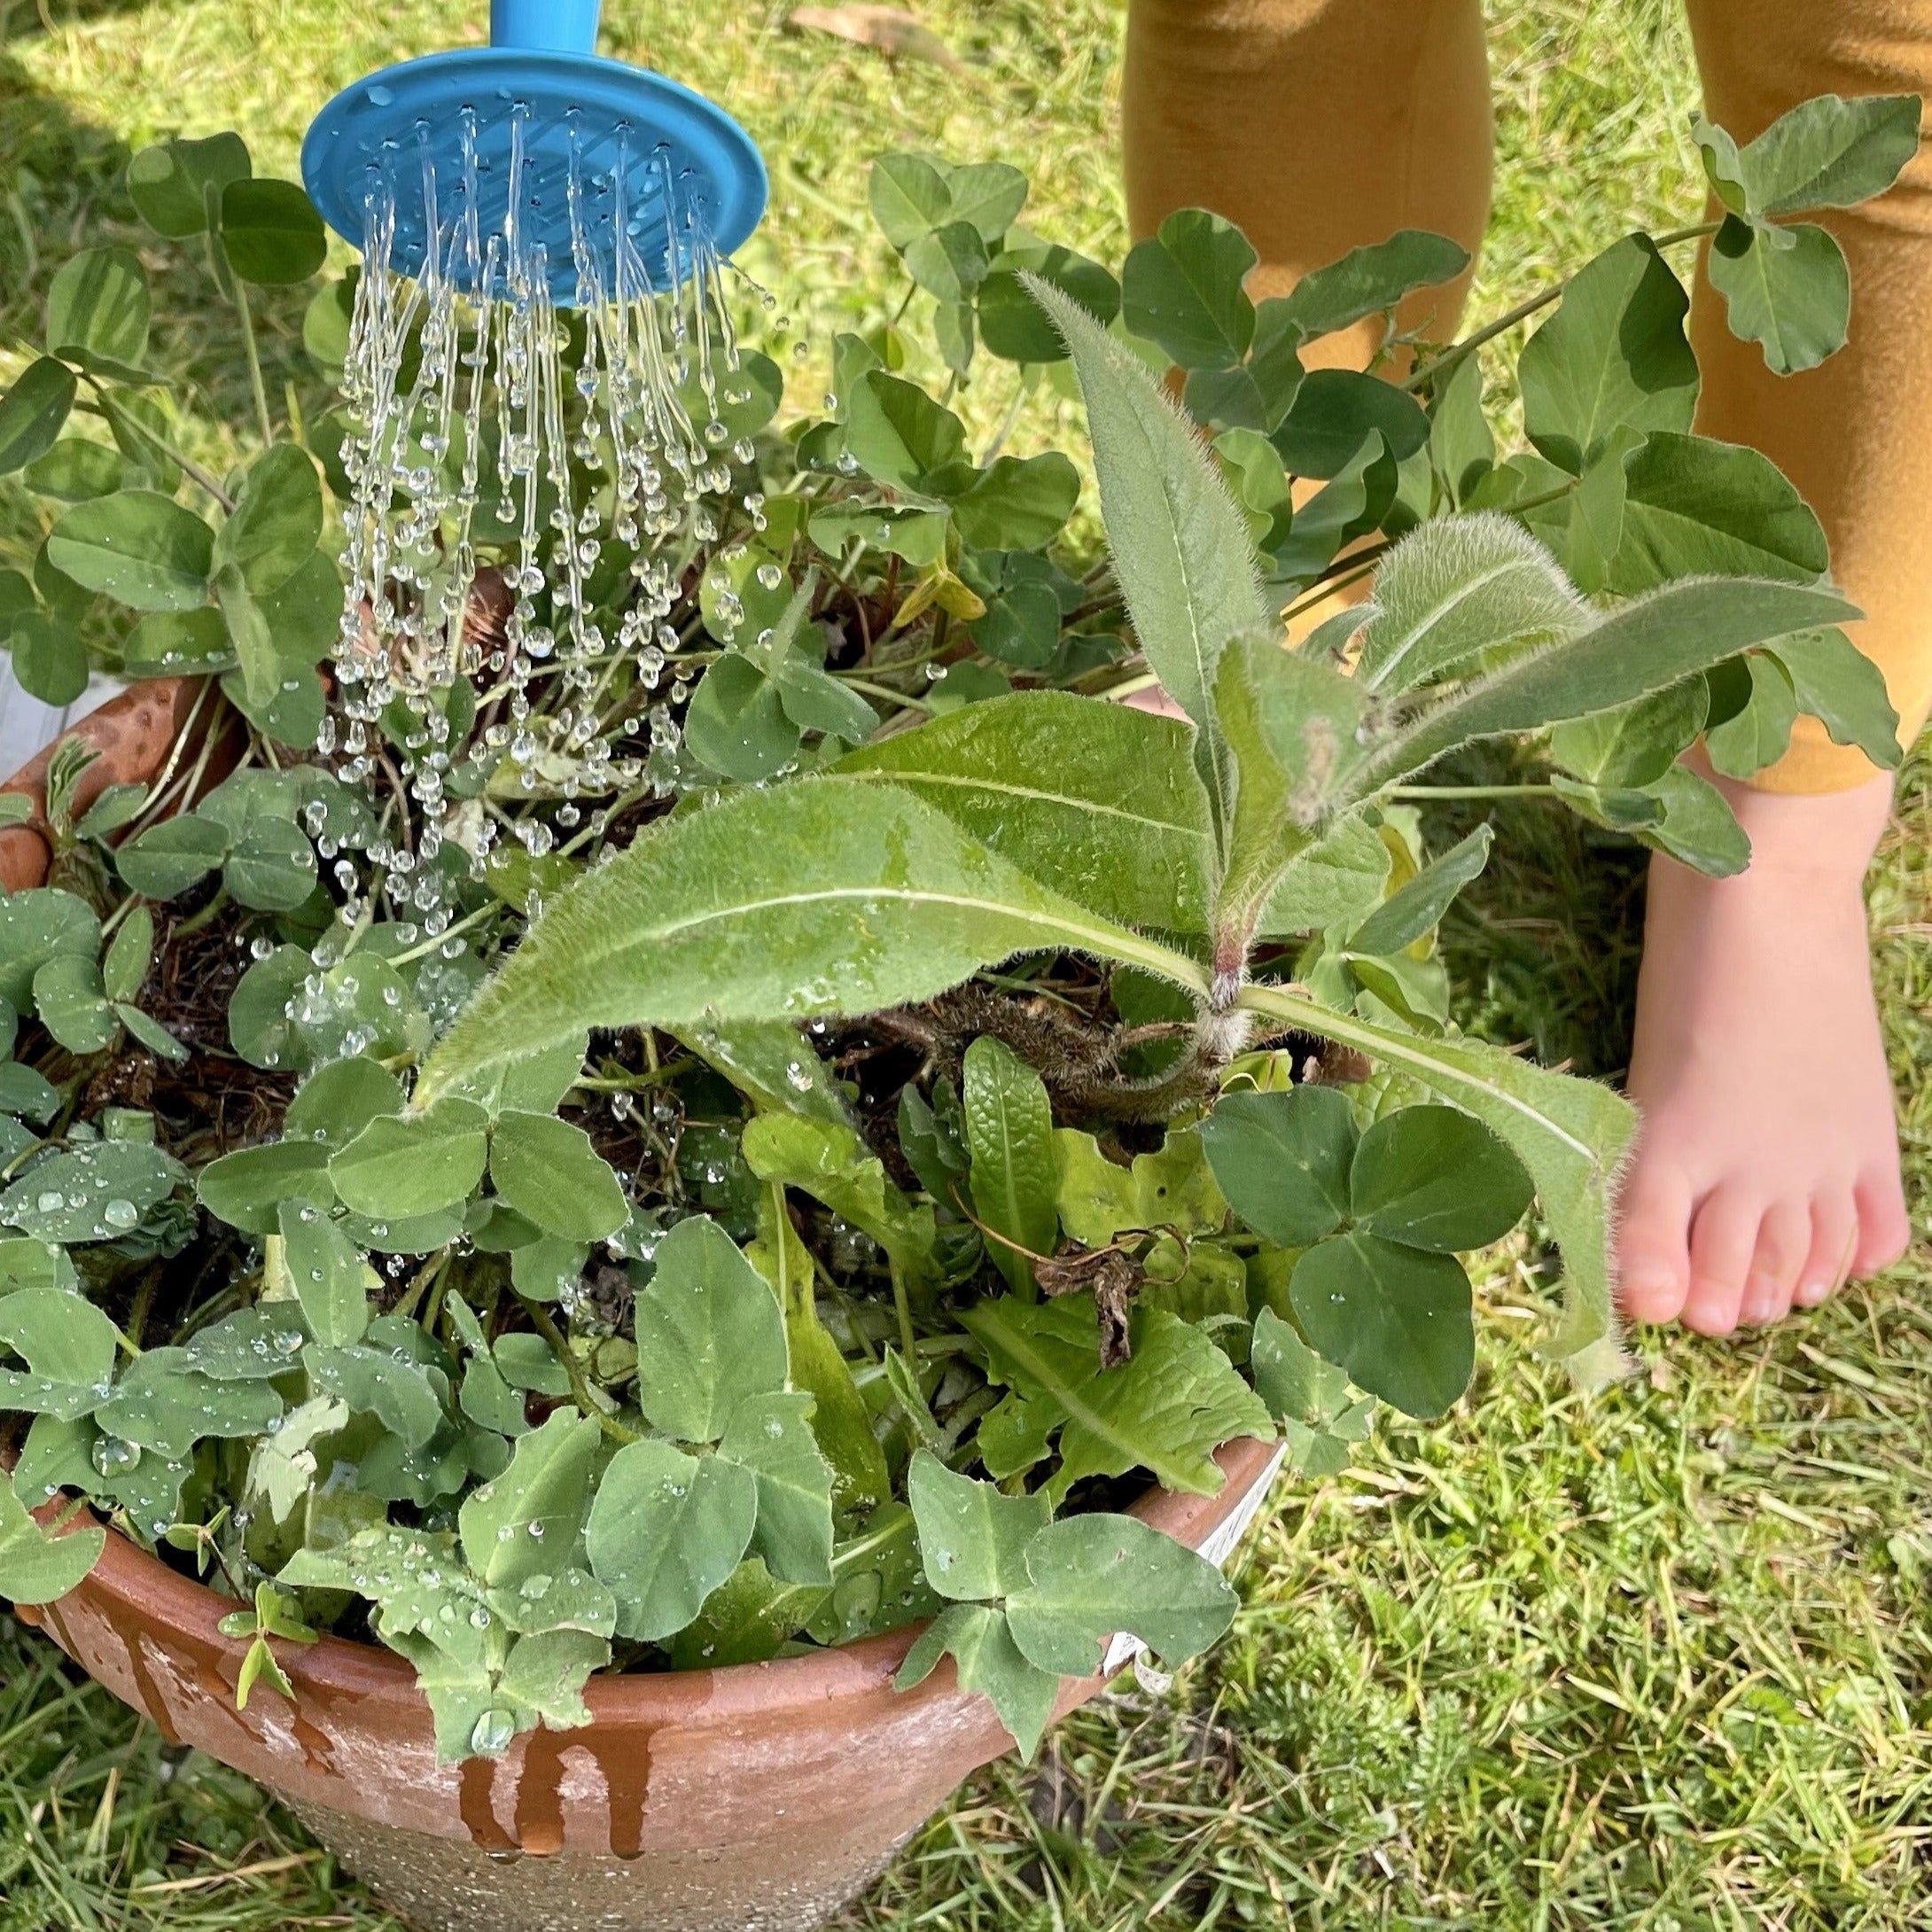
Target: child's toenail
[(1812, 1293)]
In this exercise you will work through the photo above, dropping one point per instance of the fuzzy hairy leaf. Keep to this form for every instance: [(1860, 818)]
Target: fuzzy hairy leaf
[(1294, 726), (1460, 589), (1093, 799), (1643, 647), (830, 895), (1180, 544)]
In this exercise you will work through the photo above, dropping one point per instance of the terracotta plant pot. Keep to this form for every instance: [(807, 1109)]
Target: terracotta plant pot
[(756, 1798)]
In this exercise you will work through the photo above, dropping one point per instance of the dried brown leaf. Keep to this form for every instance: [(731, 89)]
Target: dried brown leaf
[(888, 29)]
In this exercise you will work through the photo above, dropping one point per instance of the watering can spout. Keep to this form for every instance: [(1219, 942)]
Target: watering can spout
[(555, 26)]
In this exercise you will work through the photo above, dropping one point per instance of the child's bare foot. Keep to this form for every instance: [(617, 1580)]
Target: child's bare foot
[(1767, 1168)]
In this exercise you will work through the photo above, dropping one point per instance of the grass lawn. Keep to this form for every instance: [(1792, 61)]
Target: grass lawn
[(1659, 1660)]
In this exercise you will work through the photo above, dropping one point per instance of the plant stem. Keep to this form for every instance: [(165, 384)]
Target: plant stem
[(879, 690), (254, 361), (191, 469), (1472, 792), (540, 1320), (899, 1302)]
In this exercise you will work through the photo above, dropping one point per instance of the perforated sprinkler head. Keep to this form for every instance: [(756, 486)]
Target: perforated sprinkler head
[(612, 178)]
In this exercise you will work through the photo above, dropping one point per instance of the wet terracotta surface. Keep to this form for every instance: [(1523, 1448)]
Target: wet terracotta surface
[(757, 1798), (761, 1789), (133, 734)]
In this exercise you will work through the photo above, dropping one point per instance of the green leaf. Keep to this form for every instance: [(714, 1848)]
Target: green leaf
[(1637, 744), (549, 1172), (1335, 410), (38, 925), (1825, 152), (1461, 447), (168, 183), (1010, 1131), (1571, 1135), (1167, 1409), (830, 1162), (737, 723), (1433, 1177), (532, 1083), (33, 411), (271, 233), (76, 471), (37, 1568), (1179, 546), (1694, 507), (412, 1164), (163, 1405), (68, 998), (1011, 324), (973, 1538), (1614, 353), (1183, 288), (897, 433), (1294, 727), (710, 1335), (1462, 591), (68, 1344), (524, 1523), (1416, 908), (1096, 800), (1787, 288), (1336, 882), (1173, 1187), (1092, 1575), (328, 1274), (247, 1187), (167, 859), (1016, 502), (1757, 735), (771, 1436), (666, 1530), (1294, 1380), (1698, 826), (1282, 1160), (1841, 687), (748, 910), (276, 521), (99, 308), (989, 194), (97, 1191), (372, 1382), (1370, 280), (989, 1663), (138, 547), (949, 261), (124, 967), (1646, 646), (909, 197), (272, 866), (49, 662), (1396, 1318)]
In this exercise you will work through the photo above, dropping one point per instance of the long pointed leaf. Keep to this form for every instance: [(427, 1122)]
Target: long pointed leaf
[(1643, 647), (1094, 799), (830, 895), (1571, 1135), (1180, 547)]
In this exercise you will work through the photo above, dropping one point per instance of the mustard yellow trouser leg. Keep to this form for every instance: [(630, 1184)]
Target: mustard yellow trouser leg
[(1318, 124)]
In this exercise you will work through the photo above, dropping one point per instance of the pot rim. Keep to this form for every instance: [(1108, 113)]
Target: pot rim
[(168, 1600)]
